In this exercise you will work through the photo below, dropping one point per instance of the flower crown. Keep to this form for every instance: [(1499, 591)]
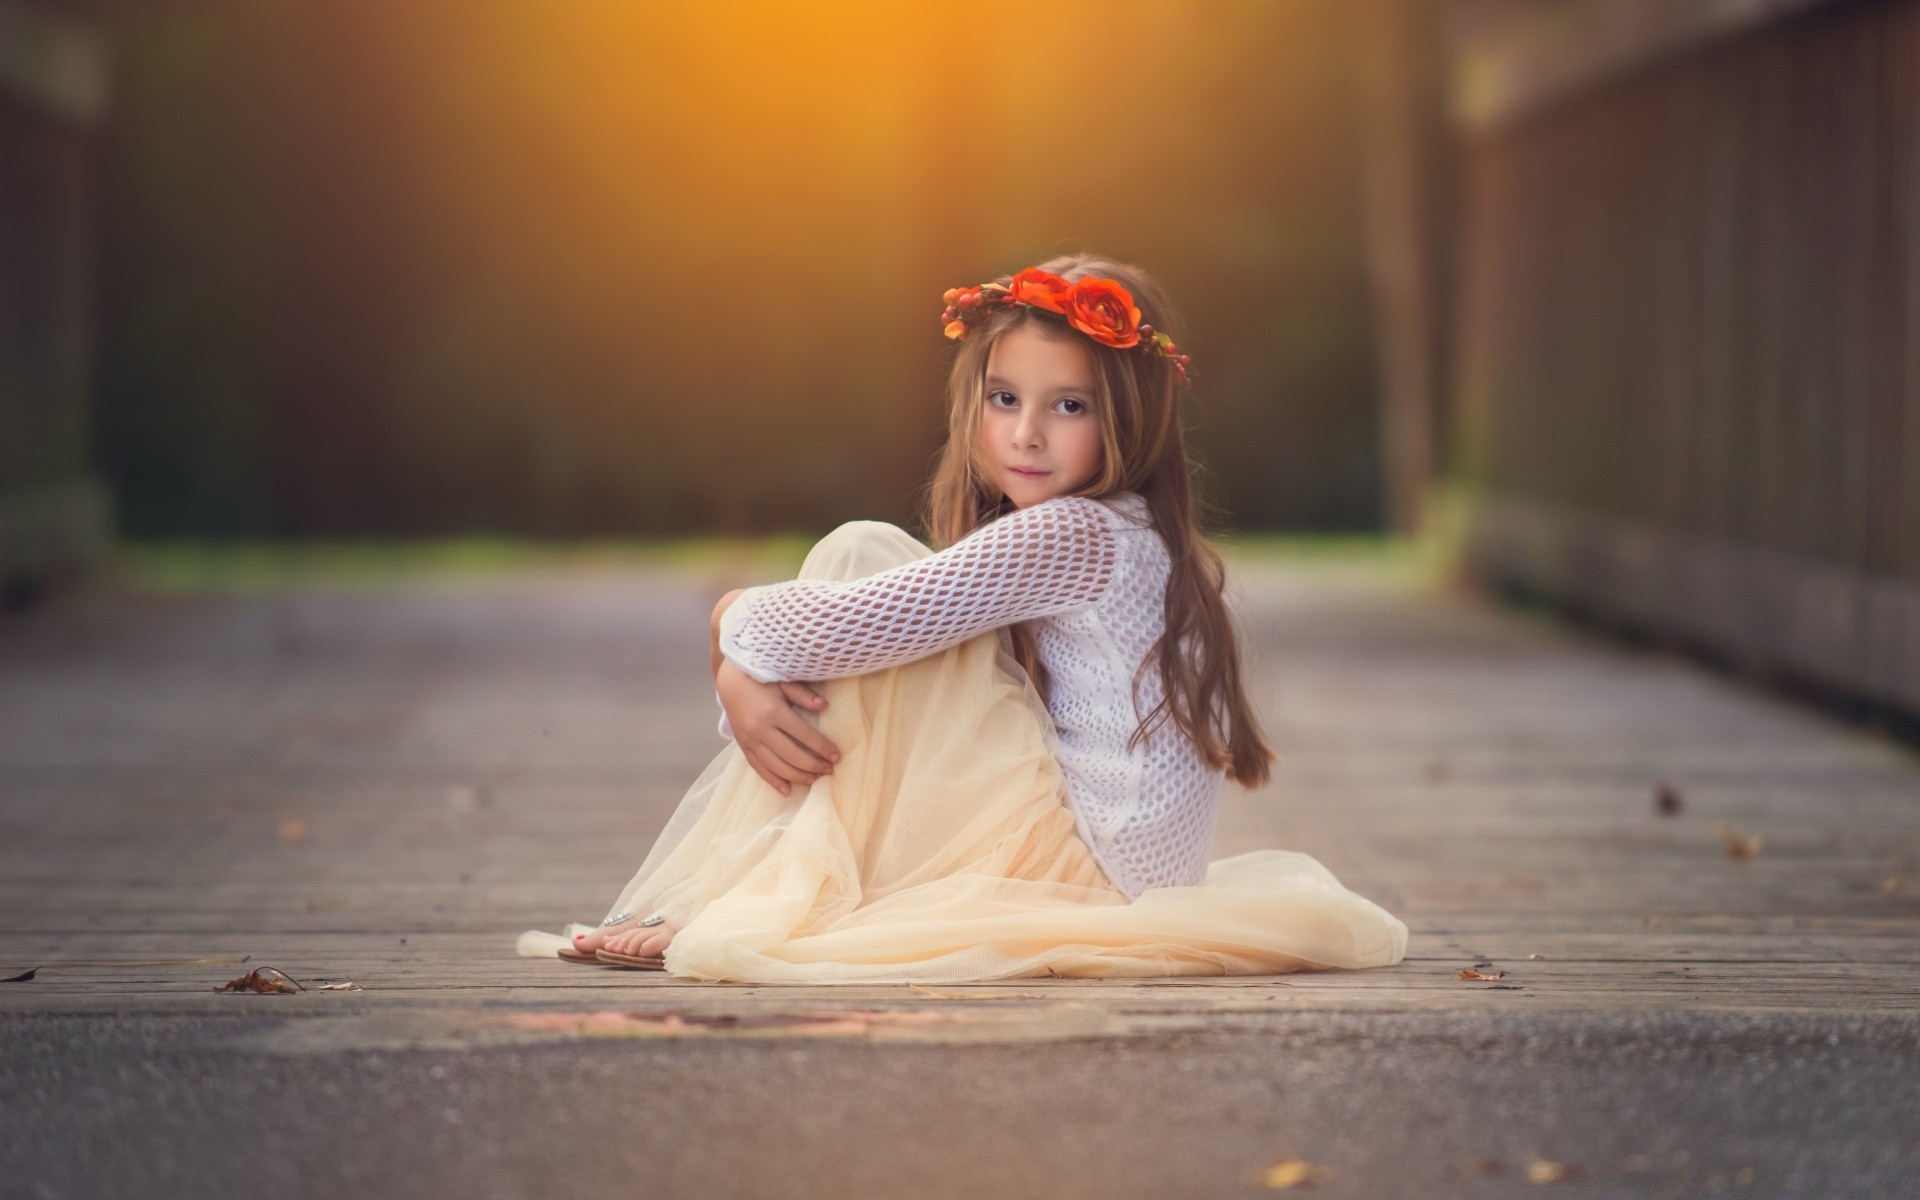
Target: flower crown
[(1096, 306)]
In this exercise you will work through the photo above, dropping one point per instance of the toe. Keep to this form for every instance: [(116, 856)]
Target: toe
[(658, 943)]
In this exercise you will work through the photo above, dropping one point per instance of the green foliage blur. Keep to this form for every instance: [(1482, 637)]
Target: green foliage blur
[(610, 268)]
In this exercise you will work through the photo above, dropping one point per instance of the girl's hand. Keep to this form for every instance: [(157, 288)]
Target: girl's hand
[(781, 746)]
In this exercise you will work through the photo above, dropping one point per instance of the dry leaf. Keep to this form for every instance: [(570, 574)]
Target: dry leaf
[(1487, 975), (292, 829), (1293, 1172), (1739, 849), (1667, 799), (346, 986), (263, 980), (1542, 1171)]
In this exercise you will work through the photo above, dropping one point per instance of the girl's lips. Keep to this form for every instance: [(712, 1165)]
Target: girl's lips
[(1028, 471)]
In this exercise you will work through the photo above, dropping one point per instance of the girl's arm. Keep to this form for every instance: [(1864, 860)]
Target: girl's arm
[(780, 746), (1050, 558), (713, 627)]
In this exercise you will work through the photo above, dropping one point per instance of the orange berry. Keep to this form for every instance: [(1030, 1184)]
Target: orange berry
[(949, 296)]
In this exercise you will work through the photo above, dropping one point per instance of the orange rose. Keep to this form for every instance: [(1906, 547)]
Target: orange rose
[(1042, 289), (1104, 311)]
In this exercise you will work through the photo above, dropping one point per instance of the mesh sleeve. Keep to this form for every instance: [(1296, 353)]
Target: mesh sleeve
[(1048, 559)]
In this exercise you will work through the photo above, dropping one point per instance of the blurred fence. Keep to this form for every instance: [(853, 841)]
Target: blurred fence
[(53, 89), (1687, 384)]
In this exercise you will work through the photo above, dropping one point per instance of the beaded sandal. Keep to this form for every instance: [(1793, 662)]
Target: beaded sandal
[(647, 962)]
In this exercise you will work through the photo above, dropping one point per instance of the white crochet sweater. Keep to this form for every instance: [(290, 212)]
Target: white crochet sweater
[(1091, 578)]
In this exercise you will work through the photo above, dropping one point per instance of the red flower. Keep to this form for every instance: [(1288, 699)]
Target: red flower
[(1105, 312), (1042, 289)]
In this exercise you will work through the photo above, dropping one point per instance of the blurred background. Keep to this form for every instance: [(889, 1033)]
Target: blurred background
[(625, 268), (1629, 287)]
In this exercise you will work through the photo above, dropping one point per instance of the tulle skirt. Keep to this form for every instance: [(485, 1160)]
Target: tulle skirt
[(941, 849)]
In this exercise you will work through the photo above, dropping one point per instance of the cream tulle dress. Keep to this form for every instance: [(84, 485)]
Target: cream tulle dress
[(953, 840)]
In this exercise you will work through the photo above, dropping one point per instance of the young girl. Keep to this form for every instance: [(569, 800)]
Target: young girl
[(1012, 753)]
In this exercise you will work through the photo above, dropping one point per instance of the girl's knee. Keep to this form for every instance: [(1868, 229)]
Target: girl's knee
[(860, 548)]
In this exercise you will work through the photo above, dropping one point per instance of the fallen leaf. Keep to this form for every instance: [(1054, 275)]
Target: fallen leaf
[(1667, 800), (1739, 848), (1542, 1171), (1293, 1172), (22, 977), (1488, 975), (292, 829), (346, 986), (263, 980)]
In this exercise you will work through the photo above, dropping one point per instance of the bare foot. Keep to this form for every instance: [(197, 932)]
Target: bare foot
[(628, 937), (643, 943)]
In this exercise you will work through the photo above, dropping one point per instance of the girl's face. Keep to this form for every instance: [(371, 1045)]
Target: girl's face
[(1039, 434)]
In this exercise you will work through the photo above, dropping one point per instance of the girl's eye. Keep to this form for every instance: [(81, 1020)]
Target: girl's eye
[(1068, 404)]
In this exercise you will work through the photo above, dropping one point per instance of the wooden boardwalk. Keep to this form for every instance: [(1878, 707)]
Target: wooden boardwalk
[(385, 786)]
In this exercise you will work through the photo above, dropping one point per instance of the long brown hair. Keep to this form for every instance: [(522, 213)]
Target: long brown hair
[(1143, 451)]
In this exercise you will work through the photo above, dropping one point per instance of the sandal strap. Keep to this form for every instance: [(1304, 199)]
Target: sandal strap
[(650, 922)]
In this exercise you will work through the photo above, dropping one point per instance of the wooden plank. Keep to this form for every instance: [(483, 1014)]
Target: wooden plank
[(463, 764)]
